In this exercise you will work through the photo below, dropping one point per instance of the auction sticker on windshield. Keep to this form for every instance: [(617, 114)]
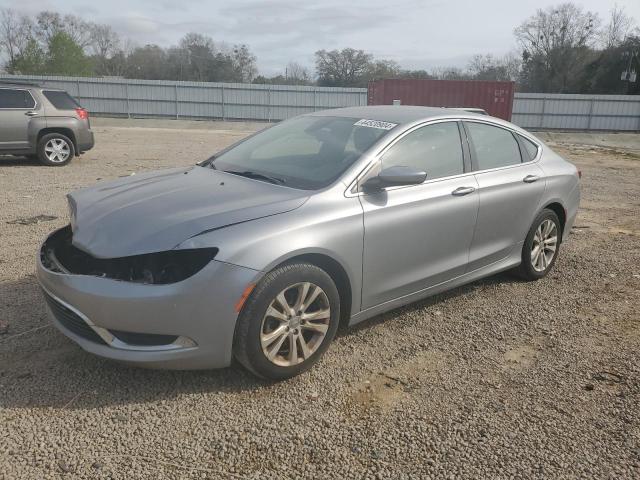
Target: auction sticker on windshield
[(375, 124)]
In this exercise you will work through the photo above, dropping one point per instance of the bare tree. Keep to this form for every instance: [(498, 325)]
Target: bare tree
[(51, 23), (15, 32), (617, 29), (488, 67), (244, 62), (297, 74), (556, 44)]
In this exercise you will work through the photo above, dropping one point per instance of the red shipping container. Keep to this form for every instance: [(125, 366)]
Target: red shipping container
[(494, 97)]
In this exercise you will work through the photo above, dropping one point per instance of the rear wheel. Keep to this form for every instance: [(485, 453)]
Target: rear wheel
[(541, 247), (288, 321), (55, 149)]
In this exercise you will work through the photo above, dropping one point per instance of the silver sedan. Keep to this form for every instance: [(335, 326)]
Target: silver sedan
[(261, 251)]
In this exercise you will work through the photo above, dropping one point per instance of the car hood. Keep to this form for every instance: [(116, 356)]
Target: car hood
[(156, 211)]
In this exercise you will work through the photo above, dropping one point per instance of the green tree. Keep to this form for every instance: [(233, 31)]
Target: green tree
[(66, 57), (31, 61)]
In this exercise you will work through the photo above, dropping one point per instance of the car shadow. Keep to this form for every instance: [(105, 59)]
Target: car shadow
[(499, 278), (41, 368), (17, 161)]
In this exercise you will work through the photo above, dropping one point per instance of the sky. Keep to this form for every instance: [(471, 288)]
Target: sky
[(417, 34)]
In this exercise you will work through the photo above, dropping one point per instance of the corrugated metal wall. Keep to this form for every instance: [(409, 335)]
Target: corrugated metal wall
[(199, 100), (577, 112), (237, 101)]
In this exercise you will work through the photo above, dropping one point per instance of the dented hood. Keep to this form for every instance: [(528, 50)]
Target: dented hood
[(156, 211)]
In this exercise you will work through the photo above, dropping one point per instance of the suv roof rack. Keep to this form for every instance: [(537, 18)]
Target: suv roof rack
[(26, 83)]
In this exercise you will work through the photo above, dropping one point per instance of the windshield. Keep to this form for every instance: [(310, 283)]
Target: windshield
[(304, 152)]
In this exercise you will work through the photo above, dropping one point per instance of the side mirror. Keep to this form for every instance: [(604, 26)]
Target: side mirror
[(393, 177)]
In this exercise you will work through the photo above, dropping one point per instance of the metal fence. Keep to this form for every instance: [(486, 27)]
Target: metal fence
[(238, 101), (199, 100), (576, 112)]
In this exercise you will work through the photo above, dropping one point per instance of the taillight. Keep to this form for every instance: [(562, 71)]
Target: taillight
[(82, 114)]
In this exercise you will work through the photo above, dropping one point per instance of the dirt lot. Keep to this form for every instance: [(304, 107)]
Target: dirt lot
[(498, 379)]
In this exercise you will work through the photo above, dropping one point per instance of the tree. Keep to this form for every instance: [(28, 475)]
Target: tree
[(344, 68), (15, 35), (556, 45), (105, 46), (244, 62), (487, 67), (604, 73), (381, 69), (66, 57), (617, 29), (296, 74), (148, 62), (51, 23), (31, 61)]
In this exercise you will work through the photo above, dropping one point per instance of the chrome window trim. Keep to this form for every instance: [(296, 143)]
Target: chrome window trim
[(513, 131), (35, 102), (352, 188)]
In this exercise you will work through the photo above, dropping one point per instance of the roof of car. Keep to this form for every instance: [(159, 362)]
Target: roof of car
[(391, 113)]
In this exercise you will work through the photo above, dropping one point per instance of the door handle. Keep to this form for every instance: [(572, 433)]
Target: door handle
[(531, 178), (31, 114), (460, 191)]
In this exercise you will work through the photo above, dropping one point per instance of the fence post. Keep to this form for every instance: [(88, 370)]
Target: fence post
[(176, 92), (126, 89), (590, 114), (544, 107), (315, 99), (269, 104), (222, 95)]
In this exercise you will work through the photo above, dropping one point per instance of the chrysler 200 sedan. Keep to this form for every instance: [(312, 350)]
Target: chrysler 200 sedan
[(261, 251)]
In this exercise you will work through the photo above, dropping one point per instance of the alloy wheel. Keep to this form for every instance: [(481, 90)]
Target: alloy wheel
[(57, 150), (295, 324), (545, 243)]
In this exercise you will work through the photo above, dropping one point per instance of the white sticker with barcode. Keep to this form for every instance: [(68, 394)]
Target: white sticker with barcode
[(375, 124)]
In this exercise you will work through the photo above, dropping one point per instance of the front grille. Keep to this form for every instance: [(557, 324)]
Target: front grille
[(71, 321)]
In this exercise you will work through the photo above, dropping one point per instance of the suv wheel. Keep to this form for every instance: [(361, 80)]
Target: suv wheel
[(55, 149)]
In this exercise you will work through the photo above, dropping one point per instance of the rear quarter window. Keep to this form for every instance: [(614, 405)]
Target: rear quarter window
[(531, 149), (16, 98), (61, 100)]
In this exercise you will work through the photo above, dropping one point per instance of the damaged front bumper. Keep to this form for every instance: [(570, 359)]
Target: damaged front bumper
[(186, 324)]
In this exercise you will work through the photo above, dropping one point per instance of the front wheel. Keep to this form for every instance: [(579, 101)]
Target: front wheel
[(541, 247), (288, 321)]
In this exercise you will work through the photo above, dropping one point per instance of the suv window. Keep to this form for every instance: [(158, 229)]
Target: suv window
[(531, 149), (61, 100), (435, 149), (13, 98), (494, 146)]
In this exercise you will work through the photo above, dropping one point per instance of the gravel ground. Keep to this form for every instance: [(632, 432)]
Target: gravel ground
[(498, 379)]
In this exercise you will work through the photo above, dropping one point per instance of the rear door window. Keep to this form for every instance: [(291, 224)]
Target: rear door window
[(61, 100), (16, 98), (495, 147)]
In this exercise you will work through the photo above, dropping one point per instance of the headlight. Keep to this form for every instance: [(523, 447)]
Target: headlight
[(161, 268)]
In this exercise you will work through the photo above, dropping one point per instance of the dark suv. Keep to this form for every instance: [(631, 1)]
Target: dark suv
[(43, 123)]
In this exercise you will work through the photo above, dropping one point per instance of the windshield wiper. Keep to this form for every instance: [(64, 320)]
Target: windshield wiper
[(257, 176)]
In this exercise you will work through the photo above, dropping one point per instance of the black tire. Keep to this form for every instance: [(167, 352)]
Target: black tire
[(526, 270), (42, 155), (247, 347)]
